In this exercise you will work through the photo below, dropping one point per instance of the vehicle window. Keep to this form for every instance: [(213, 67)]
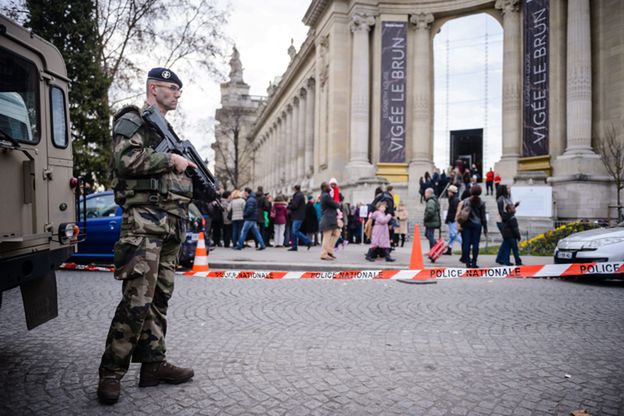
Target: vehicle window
[(19, 98), (59, 117), (101, 206)]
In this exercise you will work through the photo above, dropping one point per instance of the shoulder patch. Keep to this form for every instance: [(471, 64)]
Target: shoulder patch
[(127, 121), (126, 127), (127, 110)]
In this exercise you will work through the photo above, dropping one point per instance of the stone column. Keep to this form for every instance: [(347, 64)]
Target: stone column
[(421, 159), (294, 120), (287, 145), (579, 79), (258, 162), (283, 151), (301, 119), (273, 157), (264, 180), (359, 164), (309, 130), (512, 87)]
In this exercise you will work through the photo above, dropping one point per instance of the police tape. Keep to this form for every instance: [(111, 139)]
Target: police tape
[(439, 273), (86, 267)]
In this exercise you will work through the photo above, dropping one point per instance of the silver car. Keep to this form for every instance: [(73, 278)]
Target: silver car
[(599, 245)]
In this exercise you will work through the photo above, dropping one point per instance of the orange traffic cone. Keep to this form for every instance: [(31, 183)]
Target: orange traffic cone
[(416, 259), (200, 264)]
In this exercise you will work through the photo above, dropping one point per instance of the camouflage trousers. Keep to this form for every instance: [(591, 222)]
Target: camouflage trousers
[(146, 256)]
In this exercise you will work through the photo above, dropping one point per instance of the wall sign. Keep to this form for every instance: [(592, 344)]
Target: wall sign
[(393, 63), (536, 69)]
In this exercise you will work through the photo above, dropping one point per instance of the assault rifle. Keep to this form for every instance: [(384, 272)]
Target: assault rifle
[(204, 186)]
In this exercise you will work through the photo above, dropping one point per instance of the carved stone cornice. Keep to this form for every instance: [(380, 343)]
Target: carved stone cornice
[(422, 20), (314, 12), (508, 6), (303, 92), (295, 101), (361, 22)]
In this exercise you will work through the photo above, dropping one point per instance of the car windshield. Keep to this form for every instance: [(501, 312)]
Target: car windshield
[(101, 206), (19, 111)]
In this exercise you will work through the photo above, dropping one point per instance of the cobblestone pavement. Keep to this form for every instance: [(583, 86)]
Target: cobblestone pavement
[(459, 347)]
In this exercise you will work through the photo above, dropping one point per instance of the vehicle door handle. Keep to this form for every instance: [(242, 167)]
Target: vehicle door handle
[(112, 225)]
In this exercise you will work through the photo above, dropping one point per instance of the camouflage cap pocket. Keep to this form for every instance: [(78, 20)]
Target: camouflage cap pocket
[(130, 258)]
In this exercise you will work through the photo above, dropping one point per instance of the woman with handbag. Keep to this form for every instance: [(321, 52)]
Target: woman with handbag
[(329, 223), (508, 227), (472, 218)]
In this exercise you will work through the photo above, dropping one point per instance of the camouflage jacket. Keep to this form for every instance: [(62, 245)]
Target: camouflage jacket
[(142, 176)]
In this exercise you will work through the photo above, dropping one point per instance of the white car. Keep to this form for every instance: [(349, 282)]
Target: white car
[(599, 245)]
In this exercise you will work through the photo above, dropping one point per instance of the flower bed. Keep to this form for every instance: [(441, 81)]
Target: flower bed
[(545, 244)]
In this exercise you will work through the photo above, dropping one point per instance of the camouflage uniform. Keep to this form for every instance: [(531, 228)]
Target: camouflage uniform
[(155, 202)]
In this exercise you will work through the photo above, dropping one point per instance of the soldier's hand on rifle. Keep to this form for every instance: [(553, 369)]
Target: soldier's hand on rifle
[(180, 163)]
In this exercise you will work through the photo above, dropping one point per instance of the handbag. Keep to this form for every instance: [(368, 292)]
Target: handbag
[(464, 213), (368, 228)]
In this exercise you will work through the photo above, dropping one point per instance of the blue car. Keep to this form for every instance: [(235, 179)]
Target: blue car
[(103, 227)]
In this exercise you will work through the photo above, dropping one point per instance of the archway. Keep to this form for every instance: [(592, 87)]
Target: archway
[(468, 62)]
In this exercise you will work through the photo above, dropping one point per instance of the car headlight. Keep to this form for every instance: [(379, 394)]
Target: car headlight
[(603, 242), (563, 244)]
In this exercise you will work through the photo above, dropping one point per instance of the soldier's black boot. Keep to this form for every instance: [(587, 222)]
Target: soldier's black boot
[(154, 373), (109, 387)]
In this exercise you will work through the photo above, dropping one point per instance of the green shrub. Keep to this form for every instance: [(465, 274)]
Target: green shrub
[(545, 244)]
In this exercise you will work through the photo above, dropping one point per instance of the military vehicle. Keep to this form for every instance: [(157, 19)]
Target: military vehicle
[(38, 195)]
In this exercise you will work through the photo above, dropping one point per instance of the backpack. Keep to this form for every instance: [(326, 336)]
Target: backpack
[(464, 214)]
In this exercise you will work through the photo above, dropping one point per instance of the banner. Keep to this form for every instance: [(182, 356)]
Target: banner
[(393, 62), (536, 70)]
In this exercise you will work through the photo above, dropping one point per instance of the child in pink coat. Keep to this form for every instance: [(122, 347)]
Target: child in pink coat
[(380, 239)]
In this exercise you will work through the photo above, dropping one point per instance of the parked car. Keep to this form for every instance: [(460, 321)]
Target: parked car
[(599, 245), (103, 227)]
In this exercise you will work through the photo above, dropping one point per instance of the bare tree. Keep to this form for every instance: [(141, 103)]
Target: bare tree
[(180, 33), (610, 147), (234, 155), (185, 34)]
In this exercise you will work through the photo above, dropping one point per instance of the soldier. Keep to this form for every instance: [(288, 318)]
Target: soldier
[(154, 193)]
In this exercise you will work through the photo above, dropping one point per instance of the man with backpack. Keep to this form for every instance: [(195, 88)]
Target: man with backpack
[(432, 219)]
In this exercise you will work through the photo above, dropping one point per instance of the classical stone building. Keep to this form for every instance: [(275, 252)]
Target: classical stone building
[(234, 155), (356, 101)]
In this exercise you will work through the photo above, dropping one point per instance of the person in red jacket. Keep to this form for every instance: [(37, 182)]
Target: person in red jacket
[(497, 181), (489, 182)]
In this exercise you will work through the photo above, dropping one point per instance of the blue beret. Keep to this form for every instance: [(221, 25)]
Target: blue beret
[(164, 74)]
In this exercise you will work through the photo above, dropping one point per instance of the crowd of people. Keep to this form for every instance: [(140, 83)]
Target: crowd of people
[(466, 217), (242, 218)]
